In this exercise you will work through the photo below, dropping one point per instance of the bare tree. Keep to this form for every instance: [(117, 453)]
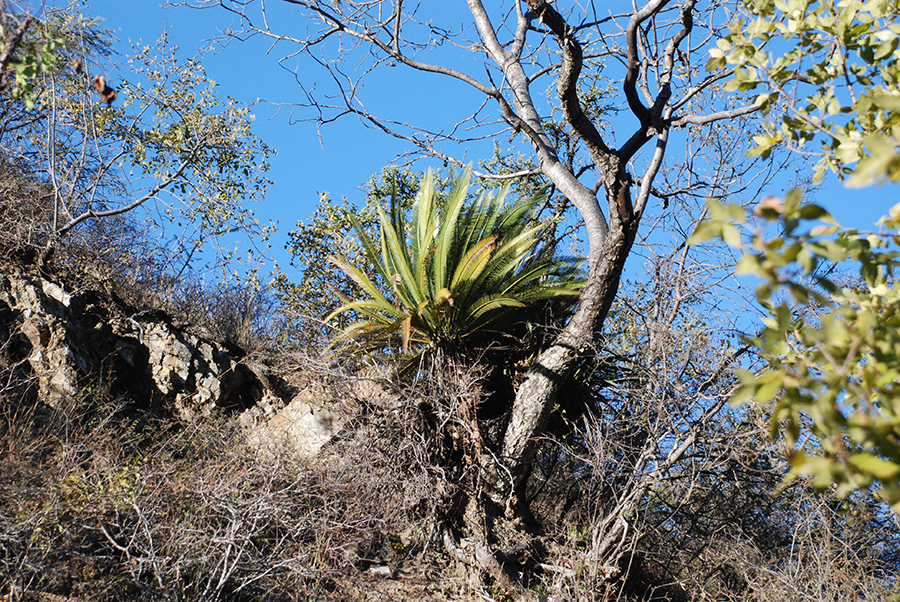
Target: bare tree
[(167, 144), (606, 165)]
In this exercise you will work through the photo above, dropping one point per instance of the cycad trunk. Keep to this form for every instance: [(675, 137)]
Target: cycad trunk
[(491, 528)]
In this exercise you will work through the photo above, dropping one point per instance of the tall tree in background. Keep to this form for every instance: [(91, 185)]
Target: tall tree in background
[(505, 55), (91, 149)]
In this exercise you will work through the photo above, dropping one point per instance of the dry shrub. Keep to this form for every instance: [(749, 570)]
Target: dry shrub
[(240, 313), (25, 210), (410, 461), (710, 528), (105, 503), (380, 463), (101, 500), (835, 551), (123, 256)]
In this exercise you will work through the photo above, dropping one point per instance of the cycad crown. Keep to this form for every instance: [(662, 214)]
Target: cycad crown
[(457, 275)]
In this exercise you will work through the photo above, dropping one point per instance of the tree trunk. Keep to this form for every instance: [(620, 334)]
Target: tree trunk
[(546, 377)]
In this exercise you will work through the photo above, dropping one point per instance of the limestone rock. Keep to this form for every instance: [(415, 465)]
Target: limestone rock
[(70, 342), (319, 412), (73, 344), (304, 426)]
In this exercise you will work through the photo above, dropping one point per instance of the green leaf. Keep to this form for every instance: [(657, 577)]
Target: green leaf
[(742, 396), (731, 236), (474, 261), (878, 467), (705, 230), (811, 211)]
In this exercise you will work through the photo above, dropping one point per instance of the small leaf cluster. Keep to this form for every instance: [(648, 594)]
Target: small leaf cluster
[(826, 70), (458, 274), (330, 231), (37, 54), (832, 352)]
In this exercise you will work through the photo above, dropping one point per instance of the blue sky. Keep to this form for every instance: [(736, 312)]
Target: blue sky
[(347, 153), (339, 162)]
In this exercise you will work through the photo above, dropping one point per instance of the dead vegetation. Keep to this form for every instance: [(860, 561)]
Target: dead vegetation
[(103, 500), (109, 498), (645, 486)]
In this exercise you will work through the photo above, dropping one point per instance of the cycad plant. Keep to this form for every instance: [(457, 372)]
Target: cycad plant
[(460, 275)]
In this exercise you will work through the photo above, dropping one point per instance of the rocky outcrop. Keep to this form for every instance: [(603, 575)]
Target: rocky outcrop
[(321, 409), (74, 342), (298, 427), (67, 345)]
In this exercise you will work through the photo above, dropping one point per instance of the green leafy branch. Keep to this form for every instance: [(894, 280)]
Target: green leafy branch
[(23, 57), (838, 82), (832, 349)]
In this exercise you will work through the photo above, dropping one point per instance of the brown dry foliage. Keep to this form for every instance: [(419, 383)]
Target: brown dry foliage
[(107, 501), (114, 505), (102, 500)]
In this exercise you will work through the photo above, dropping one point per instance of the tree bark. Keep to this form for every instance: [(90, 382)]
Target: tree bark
[(545, 378), (610, 243)]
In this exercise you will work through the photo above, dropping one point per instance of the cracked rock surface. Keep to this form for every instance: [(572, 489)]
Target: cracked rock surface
[(72, 342)]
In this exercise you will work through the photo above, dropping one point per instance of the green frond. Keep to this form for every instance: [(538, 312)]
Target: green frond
[(397, 261), (462, 272), (449, 229), (508, 258), (472, 264), (425, 223), (481, 309), (481, 219), (380, 313), (443, 296), (368, 248), (371, 335), (531, 280), (360, 279), (424, 216)]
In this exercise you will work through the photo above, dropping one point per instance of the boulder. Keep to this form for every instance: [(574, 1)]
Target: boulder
[(76, 342)]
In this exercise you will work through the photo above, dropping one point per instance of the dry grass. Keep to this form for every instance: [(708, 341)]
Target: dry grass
[(101, 501), (108, 504), (112, 505)]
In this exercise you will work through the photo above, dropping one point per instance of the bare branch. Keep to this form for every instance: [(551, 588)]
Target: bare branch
[(633, 65), (717, 116), (567, 83), (152, 193)]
